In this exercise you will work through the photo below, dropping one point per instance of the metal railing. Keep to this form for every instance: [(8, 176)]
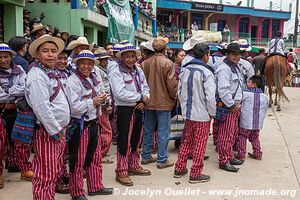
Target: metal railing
[(145, 22)]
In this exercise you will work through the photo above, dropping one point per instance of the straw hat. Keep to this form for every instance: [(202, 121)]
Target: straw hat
[(101, 54), (244, 45), (160, 43), (223, 45), (190, 43), (86, 54), (80, 41), (147, 45), (37, 27), (46, 38), (126, 48), (6, 48), (117, 47)]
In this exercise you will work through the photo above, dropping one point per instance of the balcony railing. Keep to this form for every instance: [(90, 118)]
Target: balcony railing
[(181, 35)]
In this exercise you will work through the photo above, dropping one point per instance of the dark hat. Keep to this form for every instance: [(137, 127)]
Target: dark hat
[(233, 47), (26, 11)]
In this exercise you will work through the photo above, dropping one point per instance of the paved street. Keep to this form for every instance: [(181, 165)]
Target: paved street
[(279, 171)]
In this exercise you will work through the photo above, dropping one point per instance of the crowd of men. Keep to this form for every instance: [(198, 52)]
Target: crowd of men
[(71, 102)]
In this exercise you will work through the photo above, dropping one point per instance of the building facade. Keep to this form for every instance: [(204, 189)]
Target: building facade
[(256, 25), (11, 19)]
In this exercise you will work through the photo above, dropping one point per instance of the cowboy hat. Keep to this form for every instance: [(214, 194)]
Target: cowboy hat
[(190, 43), (6, 48), (244, 45), (101, 54), (160, 43), (147, 45), (86, 54), (80, 41), (126, 48), (233, 48), (37, 27), (46, 38)]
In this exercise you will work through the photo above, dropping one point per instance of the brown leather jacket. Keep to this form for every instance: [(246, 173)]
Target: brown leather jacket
[(159, 72)]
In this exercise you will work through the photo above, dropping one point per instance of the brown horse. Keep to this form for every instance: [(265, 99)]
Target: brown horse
[(276, 71)]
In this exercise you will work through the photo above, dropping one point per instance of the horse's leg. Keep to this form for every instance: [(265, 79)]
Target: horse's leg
[(278, 103), (276, 95), (270, 95)]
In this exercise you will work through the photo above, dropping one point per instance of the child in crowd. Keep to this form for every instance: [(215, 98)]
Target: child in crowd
[(254, 109)]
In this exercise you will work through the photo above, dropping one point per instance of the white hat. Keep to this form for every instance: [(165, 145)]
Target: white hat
[(46, 38), (244, 45), (190, 43), (37, 27), (6, 48), (222, 45), (147, 45), (86, 54), (101, 53), (80, 41), (126, 48)]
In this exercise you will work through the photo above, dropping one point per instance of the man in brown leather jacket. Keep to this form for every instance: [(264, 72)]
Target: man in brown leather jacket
[(159, 72)]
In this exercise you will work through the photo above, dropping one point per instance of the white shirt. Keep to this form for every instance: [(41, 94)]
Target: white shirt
[(54, 115)]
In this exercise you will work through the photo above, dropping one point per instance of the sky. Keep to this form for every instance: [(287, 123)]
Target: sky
[(264, 4)]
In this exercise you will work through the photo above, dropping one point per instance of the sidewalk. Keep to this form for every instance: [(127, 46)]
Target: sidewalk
[(279, 170)]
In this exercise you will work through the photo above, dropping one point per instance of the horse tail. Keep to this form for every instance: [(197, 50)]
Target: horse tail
[(277, 78)]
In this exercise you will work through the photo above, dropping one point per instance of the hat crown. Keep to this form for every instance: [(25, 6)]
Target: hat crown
[(82, 40), (85, 54), (233, 47)]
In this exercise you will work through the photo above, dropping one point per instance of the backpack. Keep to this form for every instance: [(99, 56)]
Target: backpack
[(290, 58)]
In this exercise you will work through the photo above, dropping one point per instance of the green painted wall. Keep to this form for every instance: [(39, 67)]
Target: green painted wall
[(66, 19), (13, 19)]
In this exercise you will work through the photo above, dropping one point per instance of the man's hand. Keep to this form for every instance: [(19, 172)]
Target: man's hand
[(140, 106), (145, 99), (99, 99), (235, 108), (108, 110)]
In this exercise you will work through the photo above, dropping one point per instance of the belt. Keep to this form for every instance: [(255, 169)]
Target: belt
[(8, 106)]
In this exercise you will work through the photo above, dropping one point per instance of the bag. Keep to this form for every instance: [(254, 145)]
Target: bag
[(24, 127), (177, 127), (222, 110), (290, 58)]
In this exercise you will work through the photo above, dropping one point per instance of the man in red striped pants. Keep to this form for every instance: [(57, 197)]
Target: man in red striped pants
[(45, 96), (196, 93), (106, 136), (229, 89)]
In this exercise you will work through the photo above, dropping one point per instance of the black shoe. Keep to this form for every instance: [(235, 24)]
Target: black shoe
[(180, 174), (236, 162), (103, 191), (228, 167), (13, 169), (201, 179), (190, 157), (80, 198), (206, 157)]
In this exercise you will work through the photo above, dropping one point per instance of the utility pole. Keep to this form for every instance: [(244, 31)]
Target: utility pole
[(296, 23)]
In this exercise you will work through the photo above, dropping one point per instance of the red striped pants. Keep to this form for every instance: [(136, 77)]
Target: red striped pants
[(93, 172), (10, 155), (47, 164), (127, 163), (22, 151), (64, 172), (215, 131), (253, 136), (2, 144), (195, 140), (227, 134), (106, 133)]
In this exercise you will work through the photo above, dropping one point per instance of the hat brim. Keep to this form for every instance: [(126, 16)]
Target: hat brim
[(38, 28), (232, 51), (75, 44), (246, 49), (12, 52), (187, 45), (38, 42), (119, 54), (103, 57), (96, 62)]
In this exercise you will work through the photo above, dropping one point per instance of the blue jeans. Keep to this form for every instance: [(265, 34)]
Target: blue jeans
[(163, 118)]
